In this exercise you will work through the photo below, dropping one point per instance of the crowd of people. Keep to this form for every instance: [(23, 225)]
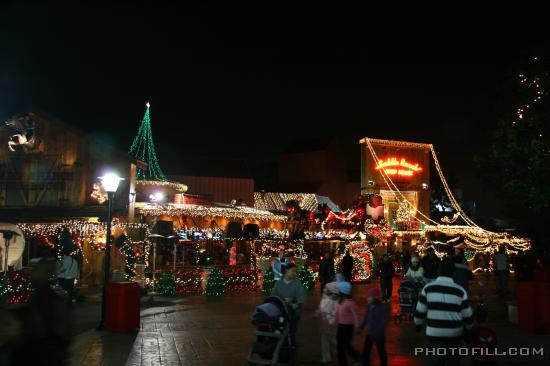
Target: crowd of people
[(443, 304)]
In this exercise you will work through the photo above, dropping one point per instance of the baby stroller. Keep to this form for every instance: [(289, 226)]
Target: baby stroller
[(408, 296), (272, 345)]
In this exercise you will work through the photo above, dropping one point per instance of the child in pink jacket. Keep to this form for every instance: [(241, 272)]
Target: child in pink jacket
[(347, 322)]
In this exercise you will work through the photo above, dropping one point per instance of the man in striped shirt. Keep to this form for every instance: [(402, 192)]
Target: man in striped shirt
[(446, 308)]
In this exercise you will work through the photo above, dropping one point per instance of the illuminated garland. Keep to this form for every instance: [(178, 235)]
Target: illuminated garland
[(277, 201), (237, 212), (94, 234), (364, 264), (180, 187)]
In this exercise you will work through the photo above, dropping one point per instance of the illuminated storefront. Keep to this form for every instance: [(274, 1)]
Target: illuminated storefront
[(388, 166)]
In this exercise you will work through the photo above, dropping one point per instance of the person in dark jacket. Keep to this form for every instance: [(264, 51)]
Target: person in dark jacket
[(347, 266), (376, 321), (430, 263), (386, 271), (462, 274), (326, 270)]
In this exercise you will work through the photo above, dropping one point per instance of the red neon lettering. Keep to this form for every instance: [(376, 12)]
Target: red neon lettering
[(393, 166)]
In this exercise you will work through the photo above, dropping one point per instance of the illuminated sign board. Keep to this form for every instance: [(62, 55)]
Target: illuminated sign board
[(399, 167)]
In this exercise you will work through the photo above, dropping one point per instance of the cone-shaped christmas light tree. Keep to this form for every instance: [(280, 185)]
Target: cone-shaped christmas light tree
[(143, 149)]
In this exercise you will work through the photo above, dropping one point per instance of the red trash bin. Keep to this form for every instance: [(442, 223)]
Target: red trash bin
[(123, 307), (527, 306), (543, 306)]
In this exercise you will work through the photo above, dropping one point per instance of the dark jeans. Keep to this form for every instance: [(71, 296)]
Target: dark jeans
[(344, 337), (502, 277), (380, 346), (67, 284), (294, 327), (347, 275), (386, 287), (443, 357)]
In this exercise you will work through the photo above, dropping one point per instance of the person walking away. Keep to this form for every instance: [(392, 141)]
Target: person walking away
[(346, 322), (483, 337), (326, 270), (376, 321), (500, 261), (44, 325), (67, 270), (415, 272), (326, 313), (446, 308), (278, 265), (430, 264), (406, 260), (347, 266), (386, 271), (291, 290), (462, 274)]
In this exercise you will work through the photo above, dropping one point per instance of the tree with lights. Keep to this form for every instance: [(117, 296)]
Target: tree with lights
[(143, 149), (215, 284), (166, 285), (518, 166), (268, 280), (306, 277)]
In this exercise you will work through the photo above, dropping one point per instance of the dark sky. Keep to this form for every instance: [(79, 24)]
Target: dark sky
[(245, 83)]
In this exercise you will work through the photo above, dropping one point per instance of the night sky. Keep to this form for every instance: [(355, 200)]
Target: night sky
[(247, 83)]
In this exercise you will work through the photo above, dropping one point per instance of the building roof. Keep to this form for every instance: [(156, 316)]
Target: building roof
[(395, 143), (213, 166), (272, 201)]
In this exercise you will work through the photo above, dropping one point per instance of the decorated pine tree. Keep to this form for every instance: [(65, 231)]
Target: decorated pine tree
[(143, 149), (215, 283), (268, 279), (518, 165), (307, 277), (166, 285)]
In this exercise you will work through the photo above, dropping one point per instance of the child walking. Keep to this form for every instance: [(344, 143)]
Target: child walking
[(376, 321), (327, 317), (483, 337), (347, 322)]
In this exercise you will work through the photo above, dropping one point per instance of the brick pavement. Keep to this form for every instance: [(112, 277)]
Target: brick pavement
[(194, 330)]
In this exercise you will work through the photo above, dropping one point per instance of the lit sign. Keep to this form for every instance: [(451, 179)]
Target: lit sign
[(395, 166)]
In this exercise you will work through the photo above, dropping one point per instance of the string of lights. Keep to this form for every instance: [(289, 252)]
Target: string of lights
[(143, 149), (237, 212), (180, 187)]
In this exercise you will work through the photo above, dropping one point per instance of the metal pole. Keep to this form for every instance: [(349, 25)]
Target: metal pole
[(154, 264), (175, 256), (107, 259), (6, 253)]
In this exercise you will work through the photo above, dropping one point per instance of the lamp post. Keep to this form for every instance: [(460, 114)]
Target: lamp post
[(110, 183)]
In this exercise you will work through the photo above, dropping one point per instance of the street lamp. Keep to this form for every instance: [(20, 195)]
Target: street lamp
[(110, 183)]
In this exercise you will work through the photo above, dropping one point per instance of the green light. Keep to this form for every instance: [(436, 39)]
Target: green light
[(143, 149), (215, 283)]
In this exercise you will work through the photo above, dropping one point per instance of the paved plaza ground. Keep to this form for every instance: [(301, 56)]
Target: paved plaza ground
[(194, 330)]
